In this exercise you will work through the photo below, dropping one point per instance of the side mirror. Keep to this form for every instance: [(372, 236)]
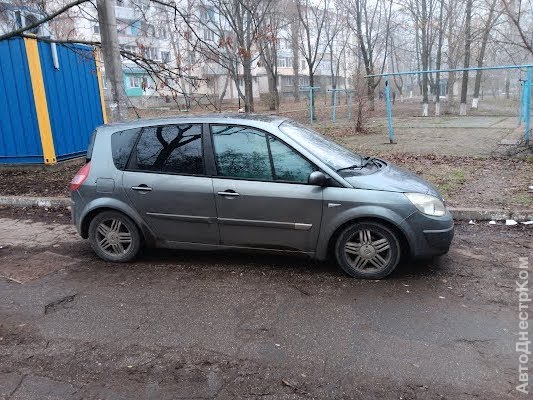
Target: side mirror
[(317, 178)]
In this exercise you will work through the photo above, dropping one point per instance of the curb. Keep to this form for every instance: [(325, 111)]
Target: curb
[(460, 214), (45, 202), (483, 214)]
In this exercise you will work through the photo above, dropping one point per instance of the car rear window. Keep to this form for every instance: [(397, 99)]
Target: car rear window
[(121, 145), (90, 148), (174, 149)]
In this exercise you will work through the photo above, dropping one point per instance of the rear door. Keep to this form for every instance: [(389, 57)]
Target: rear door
[(166, 183), (262, 196)]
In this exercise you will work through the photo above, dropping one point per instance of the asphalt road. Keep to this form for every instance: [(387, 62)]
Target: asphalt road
[(230, 325)]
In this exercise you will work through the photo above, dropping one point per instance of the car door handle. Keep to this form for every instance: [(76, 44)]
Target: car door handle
[(228, 193), (142, 188)]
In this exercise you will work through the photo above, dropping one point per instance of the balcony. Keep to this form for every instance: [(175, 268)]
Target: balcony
[(213, 69), (126, 13)]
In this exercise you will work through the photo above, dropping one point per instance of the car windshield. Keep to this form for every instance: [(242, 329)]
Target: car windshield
[(334, 155)]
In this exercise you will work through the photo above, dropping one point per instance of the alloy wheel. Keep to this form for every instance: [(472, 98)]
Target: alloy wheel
[(368, 250), (113, 237)]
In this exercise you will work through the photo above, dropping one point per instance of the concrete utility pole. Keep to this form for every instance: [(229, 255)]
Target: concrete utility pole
[(112, 62)]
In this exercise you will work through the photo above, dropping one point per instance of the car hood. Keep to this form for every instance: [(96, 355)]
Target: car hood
[(393, 179)]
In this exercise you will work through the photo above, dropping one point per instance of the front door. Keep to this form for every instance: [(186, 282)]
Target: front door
[(262, 196), (166, 183)]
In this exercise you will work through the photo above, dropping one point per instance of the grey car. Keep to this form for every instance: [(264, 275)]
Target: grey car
[(242, 181)]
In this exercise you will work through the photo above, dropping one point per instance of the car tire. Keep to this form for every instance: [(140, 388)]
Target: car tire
[(368, 250), (114, 237)]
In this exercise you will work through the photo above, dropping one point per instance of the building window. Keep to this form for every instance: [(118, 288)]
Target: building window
[(18, 19), (165, 56), (287, 80), (284, 62), (150, 31), (96, 28), (135, 28), (209, 35), (135, 81), (30, 20), (304, 65)]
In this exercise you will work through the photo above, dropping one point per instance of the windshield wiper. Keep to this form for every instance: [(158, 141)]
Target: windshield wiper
[(368, 160), (355, 166)]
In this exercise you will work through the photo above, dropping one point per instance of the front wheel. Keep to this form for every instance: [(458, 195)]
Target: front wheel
[(114, 237), (367, 250)]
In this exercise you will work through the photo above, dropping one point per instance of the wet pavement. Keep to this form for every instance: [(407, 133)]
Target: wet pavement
[(234, 325)]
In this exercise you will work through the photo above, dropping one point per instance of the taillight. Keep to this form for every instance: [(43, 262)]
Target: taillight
[(80, 177)]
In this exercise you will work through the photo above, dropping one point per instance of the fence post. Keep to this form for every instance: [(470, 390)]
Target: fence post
[(39, 98), (334, 115), (350, 106), (527, 104), (389, 110), (521, 107), (310, 89)]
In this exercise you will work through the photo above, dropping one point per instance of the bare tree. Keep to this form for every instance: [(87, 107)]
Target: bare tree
[(47, 16), (236, 24), (438, 63), (466, 64), (454, 39), (520, 18), (313, 17), (294, 36), (372, 28), (492, 17), (268, 49)]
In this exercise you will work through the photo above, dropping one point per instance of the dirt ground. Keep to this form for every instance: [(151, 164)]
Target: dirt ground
[(39, 181), (236, 325)]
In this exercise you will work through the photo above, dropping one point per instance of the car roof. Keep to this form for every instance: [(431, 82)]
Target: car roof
[(256, 120)]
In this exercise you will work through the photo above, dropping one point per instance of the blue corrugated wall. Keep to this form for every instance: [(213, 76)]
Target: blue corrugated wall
[(72, 98), (19, 133), (72, 95)]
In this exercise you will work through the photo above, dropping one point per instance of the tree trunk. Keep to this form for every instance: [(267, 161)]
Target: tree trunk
[(425, 58), (112, 61), (371, 93), (222, 93), (439, 59), (248, 86), (273, 95), (468, 40), (507, 85), (295, 47), (418, 57), (481, 55), (312, 84)]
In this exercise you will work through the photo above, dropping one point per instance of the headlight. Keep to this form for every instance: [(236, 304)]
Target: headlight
[(427, 204)]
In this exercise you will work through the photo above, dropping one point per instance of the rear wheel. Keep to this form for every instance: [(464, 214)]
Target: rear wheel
[(368, 250), (114, 237)]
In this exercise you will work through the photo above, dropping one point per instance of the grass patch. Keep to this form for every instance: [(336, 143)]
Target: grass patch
[(523, 199), (450, 182)]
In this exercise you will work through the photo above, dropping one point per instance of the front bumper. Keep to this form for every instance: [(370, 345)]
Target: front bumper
[(432, 235)]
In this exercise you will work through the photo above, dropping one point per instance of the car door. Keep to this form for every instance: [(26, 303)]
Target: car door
[(262, 195), (166, 183)]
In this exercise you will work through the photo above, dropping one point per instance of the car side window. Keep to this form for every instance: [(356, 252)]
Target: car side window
[(244, 152), (288, 164), (241, 152), (175, 149), (121, 145)]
